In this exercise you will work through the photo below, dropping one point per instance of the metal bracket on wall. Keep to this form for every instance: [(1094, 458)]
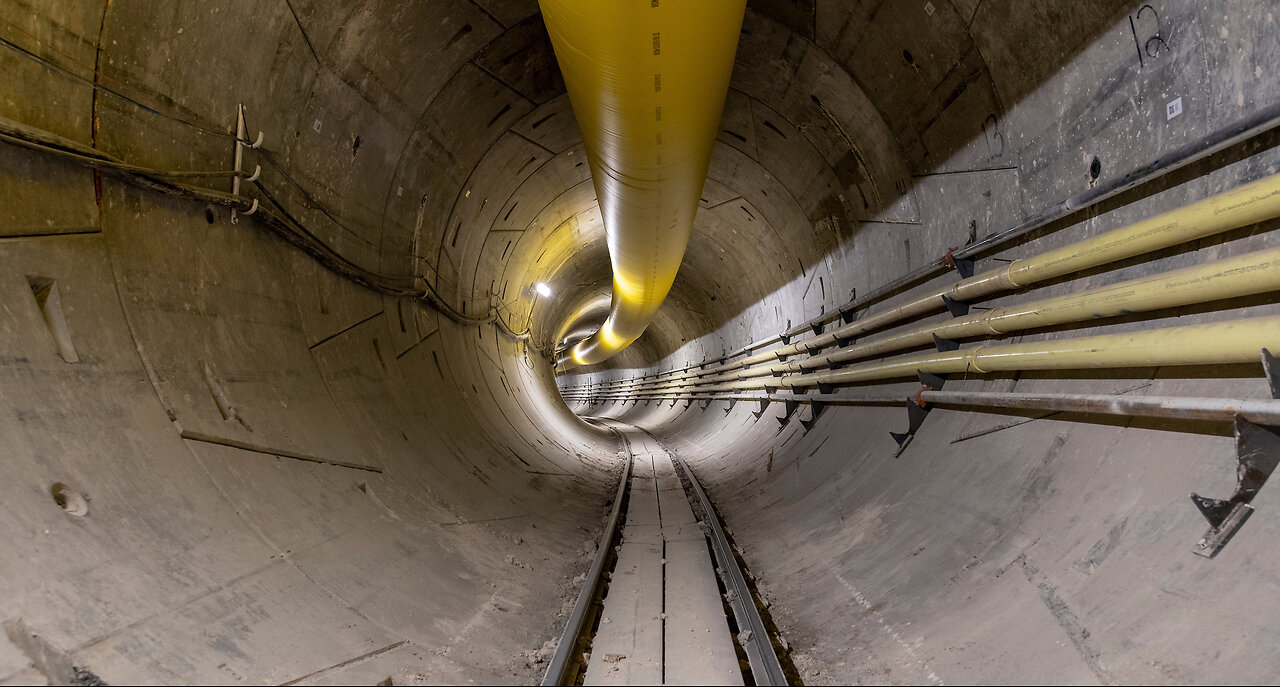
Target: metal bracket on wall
[(917, 410), (764, 405), (1257, 454), (945, 345), (955, 307), (1271, 368), (848, 312), (962, 265), (816, 408), (706, 403), (732, 402), (241, 144), (790, 408)]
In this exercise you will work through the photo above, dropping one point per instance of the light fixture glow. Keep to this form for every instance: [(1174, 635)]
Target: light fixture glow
[(542, 289)]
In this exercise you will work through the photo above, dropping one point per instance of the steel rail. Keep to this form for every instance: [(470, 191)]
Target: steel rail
[(765, 667), (559, 668)]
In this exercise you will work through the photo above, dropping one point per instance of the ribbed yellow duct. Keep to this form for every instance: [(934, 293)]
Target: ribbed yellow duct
[(647, 80)]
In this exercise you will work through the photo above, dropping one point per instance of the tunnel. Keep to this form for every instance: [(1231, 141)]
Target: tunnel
[(287, 284)]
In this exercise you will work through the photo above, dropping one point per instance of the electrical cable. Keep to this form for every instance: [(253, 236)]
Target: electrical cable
[(272, 214)]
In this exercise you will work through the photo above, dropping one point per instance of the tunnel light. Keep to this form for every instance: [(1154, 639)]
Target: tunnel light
[(542, 289)]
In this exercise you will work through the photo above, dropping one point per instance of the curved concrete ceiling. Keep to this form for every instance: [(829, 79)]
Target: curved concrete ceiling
[(290, 476)]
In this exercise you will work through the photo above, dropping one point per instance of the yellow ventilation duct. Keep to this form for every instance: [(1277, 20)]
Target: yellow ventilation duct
[(647, 80)]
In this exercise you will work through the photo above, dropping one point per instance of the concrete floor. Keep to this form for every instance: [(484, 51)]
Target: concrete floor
[(223, 462)]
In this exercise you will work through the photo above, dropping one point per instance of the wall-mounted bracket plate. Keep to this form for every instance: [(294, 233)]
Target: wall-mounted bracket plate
[(816, 409), (917, 411), (789, 410), (1257, 455), (945, 345), (955, 307), (1271, 368)]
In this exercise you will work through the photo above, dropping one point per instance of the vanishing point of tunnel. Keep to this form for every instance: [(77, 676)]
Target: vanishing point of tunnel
[(639, 342)]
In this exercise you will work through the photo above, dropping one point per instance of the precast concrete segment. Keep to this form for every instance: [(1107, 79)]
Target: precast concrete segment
[(662, 621), (647, 82)]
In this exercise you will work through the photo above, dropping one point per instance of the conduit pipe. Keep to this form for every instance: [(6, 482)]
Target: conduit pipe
[(1238, 207), (1216, 141), (1242, 130), (1242, 206), (647, 82), (1244, 275), (1235, 341)]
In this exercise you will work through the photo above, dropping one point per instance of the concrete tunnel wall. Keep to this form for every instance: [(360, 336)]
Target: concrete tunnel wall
[(292, 476)]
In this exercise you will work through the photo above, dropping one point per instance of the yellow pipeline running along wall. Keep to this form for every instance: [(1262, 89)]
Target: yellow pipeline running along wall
[(647, 80)]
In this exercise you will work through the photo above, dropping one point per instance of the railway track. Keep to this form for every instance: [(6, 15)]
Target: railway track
[(666, 601)]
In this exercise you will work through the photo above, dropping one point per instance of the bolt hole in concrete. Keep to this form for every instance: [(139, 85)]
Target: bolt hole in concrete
[(208, 214), (69, 499), (1095, 169)]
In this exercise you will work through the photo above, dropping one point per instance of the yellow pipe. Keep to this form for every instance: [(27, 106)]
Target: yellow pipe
[(1238, 207), (647, 81), (1243, 275), (1242, 206), (1237, 341)]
